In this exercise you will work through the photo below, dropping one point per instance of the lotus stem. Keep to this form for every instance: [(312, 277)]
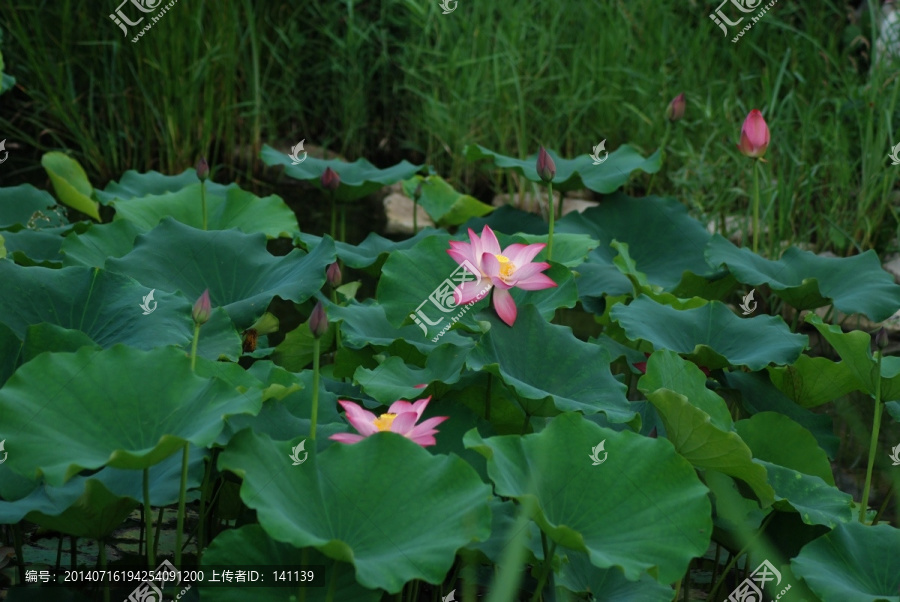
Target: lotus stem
[(159, 523), (662, 154), (18, 541), (756, 206), (204, 499), (552, 219), (181, 495), (873, 443), (332, 583), (315, 404), (148, 521), (203, 201), (194, 347), (101, 545), (545, 567), (333, 216)]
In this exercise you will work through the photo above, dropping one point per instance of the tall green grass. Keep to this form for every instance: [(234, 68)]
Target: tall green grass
[(397, 79)]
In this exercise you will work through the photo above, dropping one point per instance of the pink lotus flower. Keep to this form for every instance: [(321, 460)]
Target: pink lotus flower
[(503, 270), (754, 135), (401, 418)]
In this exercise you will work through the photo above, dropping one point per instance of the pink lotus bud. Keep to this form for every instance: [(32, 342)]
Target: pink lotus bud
[(333, 273), (202, 169), (318, 321), (330, 180), (546, 168), (675, 111), (754, 135), (202, 309)]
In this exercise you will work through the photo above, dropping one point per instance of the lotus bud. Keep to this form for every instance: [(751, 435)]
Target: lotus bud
[(881, 338), (333, 273), (318, 321), (675, 111), (202, 309), (330, 180), (202, 169), (546, 168), (754, 135)]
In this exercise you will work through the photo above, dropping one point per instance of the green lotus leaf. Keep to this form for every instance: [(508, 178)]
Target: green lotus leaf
[(602, 509), (394, 379), (134, 185), (19, 203), (625, 264), (70, 183), (578, 173), (893, 408), (36, 247), (2, 247), (852, 562), (732, 512), (507, 219), (712, 335), (234, 208), (90, 407), (295, 352), (855, 284), (580, 377), (776, 438), (444, 205), (250, 546), (813, 381), (666, 369), (50, 337), (817, 502), (340, 491), (372, 249), (579, 575), (107, 308), (568, 249), (758, 394), (242, 277), (706, 446), (504, 530), (10, 352), (358, 179), (7, 81), (99, 243), (663, 240)]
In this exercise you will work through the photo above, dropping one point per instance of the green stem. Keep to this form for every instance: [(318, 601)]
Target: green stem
[(18, 542), (203, 201), (179, 530), (873, 443), (332, 583), (333, 216), (204, 499), (159, 524), (662, 154), (545, 569), (552, 219), (315, 403), (755, 206), (102, 557), (148, 521), (194, 346)]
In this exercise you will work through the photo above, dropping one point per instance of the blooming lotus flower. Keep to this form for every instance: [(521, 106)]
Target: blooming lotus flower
[(502, 269), (401, 418), (546, 168), (754, 135), (675, 110)]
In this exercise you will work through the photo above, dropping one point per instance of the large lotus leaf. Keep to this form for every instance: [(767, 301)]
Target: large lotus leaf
[(508, 219), (852, 562), (757, 394), (812, 381), (107, 308), (242, 277), (10, 352), (578, 173), (568, 249), (579, 378), (706, 446), (344, 492), (443, 204), (596, 279), (19, 203), (732, 512), (296, 351), (855, 284), (358, 179), (712, 335), (373, 248), (71, 183), (853, 347), (50, 337), (664, 241), (625, 264), (99, 243), (100, 407), (579, 575), (666, 369), (36, 247), (394, 379), (504, 530), (234, 208), (250, 546), (605, 510), (136, 185), (817, 502), (776, 438)]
